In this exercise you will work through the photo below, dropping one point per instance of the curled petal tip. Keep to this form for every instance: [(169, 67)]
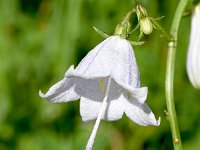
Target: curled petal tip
[(158, 121), (140, 94), (41, 94), (70, 71)]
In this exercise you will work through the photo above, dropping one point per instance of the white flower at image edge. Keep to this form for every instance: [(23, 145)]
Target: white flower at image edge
[(107, 82), (193, 57)]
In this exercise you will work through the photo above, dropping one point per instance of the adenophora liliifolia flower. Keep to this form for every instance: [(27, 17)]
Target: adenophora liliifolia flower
[(107, 82), (113, 60), (193, 57)]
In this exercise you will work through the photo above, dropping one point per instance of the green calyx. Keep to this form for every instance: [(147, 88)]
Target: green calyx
[(141, 12), (146, 25), (123, 28)]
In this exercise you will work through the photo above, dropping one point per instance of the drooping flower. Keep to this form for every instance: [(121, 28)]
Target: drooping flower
[(113, 60), (107, 82), (193, 56)]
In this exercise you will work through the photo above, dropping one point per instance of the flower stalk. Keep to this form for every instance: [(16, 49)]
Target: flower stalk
[(170, 76)]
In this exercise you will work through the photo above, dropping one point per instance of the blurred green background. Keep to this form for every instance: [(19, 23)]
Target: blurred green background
[(40, 39)]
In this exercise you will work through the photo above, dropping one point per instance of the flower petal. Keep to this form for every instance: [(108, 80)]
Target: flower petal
[(70, 71), (89, 109), (115, 109), (125, 71), (92, 94), (193, 56), (140, 113), (140, 94), (113, 56), (63, 91), (96, 62)]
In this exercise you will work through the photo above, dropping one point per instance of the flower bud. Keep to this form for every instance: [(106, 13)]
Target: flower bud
[(146, 25), (193, 57)]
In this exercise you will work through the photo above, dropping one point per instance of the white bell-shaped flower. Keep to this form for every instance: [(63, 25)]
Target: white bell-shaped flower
[(193, 57), (114, 58), (107, 82)]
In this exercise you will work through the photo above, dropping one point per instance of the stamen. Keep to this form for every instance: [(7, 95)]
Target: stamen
[(102, 110), (101, 84), (128, 95)]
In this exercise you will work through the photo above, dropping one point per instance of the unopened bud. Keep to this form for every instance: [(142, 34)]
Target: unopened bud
[(146, 25)]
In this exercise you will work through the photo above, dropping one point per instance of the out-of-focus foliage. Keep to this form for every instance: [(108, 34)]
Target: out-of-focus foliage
[(40, 39)]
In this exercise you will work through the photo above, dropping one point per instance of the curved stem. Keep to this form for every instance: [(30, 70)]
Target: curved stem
[(170, 76)]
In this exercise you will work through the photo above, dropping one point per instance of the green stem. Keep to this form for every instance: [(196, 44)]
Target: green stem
[(170, 76)]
